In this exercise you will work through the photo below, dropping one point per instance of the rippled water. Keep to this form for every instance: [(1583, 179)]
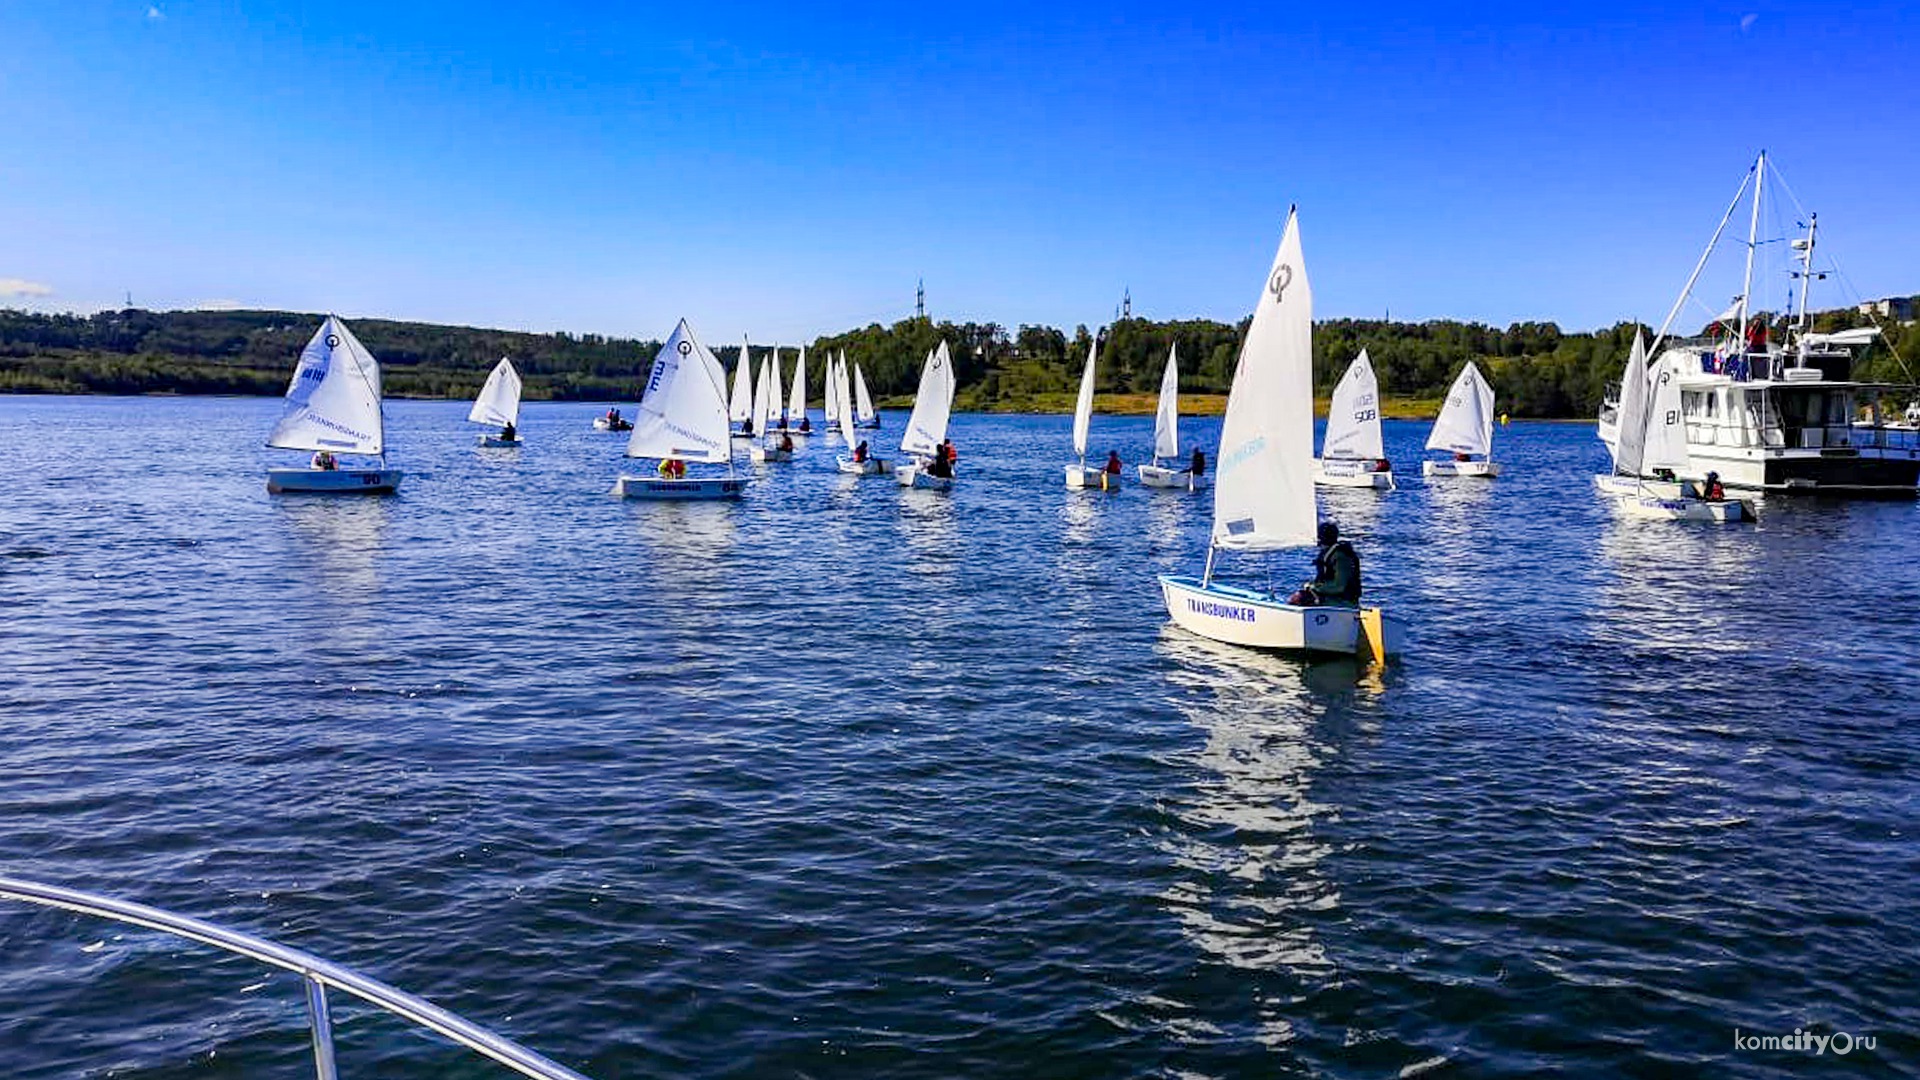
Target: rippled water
[(849, 780)]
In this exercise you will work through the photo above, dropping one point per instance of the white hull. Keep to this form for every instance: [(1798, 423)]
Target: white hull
[(333, 481), (869, 467), (495, 440), (867, 425), (1485, 470), (760, 455), (1720, 512), (1617, 485), (911, 476), (653, 487), (1159, 476), (1256, 620), (1336, 472), (600, 423), (1079, 477)]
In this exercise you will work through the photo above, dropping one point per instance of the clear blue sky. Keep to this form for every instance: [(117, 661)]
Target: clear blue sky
[(787, 170)]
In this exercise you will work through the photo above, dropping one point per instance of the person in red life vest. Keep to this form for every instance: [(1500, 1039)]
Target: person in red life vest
[(1716, 491), (673, 469), (1113, 463), (860, 452), (786, 442), (953, 456)]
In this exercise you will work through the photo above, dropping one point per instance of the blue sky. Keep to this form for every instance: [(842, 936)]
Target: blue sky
[(784, 170)]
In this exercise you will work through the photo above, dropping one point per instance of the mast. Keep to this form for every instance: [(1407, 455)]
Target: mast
[(1753, 237), (1806, 282)]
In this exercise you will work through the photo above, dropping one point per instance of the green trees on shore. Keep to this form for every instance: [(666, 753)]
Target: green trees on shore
[(1536, 369)]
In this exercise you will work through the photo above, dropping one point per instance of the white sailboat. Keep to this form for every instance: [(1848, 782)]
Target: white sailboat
[(682, 417), (333, 407), (863, 414), (1629, 453), (1661, 449), (1166, 435), (1263, 497), (830, 396), (774, 443), (869, 465), (797, 422), (927, 427), (1465, 427), (1354, 454), (1078, 475), (498, 405), (740, 404)]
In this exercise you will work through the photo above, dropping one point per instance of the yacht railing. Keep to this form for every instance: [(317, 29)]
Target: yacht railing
[(318, 975)]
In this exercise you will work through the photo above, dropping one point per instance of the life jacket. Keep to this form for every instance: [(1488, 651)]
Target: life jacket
[(1323, 567)]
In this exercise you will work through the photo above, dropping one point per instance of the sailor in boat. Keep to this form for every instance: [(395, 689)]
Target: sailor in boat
[(746, 426), (673, 469), (324, 460), (1714, 490), (1336, 573), (806, 425), (1113, 463), (508, 432), (786, 442), (860, 452), (941, 467), (953, 455), (1198, 465)]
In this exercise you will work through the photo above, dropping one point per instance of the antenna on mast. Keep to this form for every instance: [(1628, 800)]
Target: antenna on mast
[(920, 300), (1126, 303)]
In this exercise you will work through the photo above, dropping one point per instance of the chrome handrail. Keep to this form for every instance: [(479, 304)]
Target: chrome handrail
[(318, 974)]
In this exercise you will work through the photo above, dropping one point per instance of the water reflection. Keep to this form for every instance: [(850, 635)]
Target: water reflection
[(340, 540), (927, 525), (1673, 584)]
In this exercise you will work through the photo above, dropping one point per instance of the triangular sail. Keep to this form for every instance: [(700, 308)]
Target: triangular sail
[(683, 413), (862, 403), (932, 404), (830, 390), (1263, 485), (1083, 406), (499, 400), (764, 396), (333, 401), (797, 400), (846, 413), (776, 397), (1630, 438), (1465, 424), (1666, 427), (740, 406), (1353, 416), (1166, 418)]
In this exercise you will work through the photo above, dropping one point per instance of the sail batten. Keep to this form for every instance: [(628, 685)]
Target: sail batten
[(333, 400), (1263, 496)]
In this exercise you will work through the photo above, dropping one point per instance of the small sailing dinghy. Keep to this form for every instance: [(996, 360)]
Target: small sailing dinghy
[(1465, 427), (870, 466), (863, 414), (1166, 435), (1078, 475), (830, 397), (740, 404), (927, 427), (774, 443), (1263, 497), (683, 418), (333, 407), (1631, 419), (1661, 448), (1354, 455), (499, 406), (797, 423), (612, 421)]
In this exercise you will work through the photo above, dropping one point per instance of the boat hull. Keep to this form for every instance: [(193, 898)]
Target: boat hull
[(495, 440), (1714, 512), (602, 424), (760, 455), (869, 467), (1351, 473), (1159, 476), (1483, 470), (1079, 477), (1617, 485), (913, 476), (867, 425), (333, 481), (689, 488), (1244, 617)]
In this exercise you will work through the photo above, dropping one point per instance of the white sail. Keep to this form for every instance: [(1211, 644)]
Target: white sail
[(1353, 417), (1083, 406), (1465, 425), (830, 387), (1630, 440), (862, 403), (1666, 429), (499, 400), (1166, 418), (1263, 486), (765, 394), (740, 406), (683, 413), (333, 402), (932, 404), (776, 398), (797, 401), (842, 390)]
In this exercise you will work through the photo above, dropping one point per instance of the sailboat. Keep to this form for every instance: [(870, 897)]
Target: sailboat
[(1353, 454), (871, 466), (1263, 498), (1078, 475), (682, 417), (774, 444), (333, 407), (797, 422), (830, 396), (927, 427), (1465, 426), (499, 406), (740, 404), (1629, 453), (1653, 439), (863, 414), (1166, 434)]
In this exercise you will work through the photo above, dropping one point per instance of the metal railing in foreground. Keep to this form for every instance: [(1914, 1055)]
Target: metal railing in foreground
[(318, 974)]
